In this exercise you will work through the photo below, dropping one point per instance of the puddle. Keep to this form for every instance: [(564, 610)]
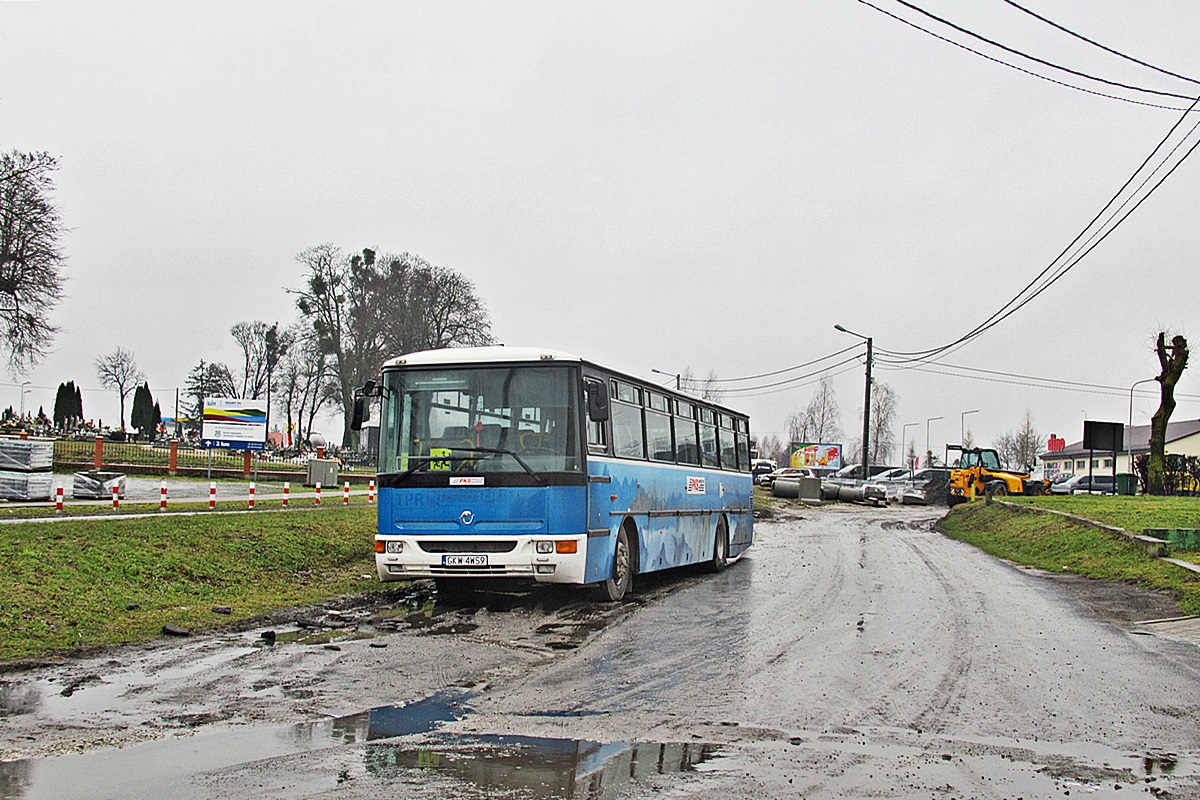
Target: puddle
[(534, 767), (156, 768)]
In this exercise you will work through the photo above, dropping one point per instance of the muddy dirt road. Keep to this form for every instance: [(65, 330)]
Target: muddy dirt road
[(853, 653)]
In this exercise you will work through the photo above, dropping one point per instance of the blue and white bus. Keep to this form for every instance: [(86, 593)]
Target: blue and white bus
[(506, 462)]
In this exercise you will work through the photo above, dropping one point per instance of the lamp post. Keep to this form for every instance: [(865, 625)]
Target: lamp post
[(1128, 442), (904, 438), (866, 471), (962, 426), (675, 375), (928, 453)]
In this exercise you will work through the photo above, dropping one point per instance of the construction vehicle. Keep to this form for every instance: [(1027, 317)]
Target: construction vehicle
[(979, 473)]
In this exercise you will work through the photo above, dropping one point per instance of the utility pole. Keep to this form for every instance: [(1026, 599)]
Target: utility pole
[(866, 441)]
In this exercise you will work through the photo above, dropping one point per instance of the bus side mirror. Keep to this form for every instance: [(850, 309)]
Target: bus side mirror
[(362, 404), (597, 400), (361, 413)]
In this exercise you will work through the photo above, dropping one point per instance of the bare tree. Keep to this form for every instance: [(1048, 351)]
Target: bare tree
[(1019, 449), (883, 417), (770, 446), (820, 422), (119, 371), (304, 383), (31, 260), (708, 389), (368, 307), (1173, 360)]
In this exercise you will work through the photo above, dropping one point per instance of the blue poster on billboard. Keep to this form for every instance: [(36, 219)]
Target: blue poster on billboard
[(232, 424)]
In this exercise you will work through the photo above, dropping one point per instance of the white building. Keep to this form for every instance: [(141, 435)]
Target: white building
[(1183, 438)]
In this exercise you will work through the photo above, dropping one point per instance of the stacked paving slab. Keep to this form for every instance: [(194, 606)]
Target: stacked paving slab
[(26, 469)]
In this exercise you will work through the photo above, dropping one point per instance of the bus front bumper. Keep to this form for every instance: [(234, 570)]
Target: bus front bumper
[(548, 559)]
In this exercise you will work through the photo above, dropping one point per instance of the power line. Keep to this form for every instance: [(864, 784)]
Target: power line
[(1035, 59), (1017, 67), (1033, 381), (1094, 43), (1029, 293), (785, 369), (790, 383)]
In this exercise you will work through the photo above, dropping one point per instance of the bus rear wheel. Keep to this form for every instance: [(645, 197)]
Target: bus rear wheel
[(720, 558), (618, 585)]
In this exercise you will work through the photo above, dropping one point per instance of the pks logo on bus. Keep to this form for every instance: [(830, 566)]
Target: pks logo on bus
[(695, 485)]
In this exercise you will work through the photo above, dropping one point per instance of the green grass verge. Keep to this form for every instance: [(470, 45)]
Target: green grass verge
[(68, 584), (1052, 543), (1134, 514)]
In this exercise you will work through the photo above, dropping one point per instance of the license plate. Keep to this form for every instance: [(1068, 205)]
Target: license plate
[(464, 561)]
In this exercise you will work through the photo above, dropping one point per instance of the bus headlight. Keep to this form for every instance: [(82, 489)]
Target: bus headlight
[(543, 548), (388, 547)]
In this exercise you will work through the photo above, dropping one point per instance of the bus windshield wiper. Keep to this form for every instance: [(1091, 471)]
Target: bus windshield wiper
[(503, 452)]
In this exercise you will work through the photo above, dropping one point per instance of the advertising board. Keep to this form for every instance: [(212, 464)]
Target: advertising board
[(233, 424), (817, 455)]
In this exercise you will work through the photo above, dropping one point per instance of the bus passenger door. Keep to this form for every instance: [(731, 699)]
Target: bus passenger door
[(600, 521)]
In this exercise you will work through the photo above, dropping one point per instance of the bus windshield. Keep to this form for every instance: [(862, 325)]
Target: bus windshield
[(481, 420)]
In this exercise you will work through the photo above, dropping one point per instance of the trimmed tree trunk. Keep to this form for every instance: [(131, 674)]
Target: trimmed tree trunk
[(1173, 359)]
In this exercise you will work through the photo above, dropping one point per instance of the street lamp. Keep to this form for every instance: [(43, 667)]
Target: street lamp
[(928, 452), (904, 438), (1128, 442), (962, 426), (866, 403), (675, 375)]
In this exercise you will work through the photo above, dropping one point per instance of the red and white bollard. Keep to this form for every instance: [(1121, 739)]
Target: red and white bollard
[(318, 495), (212, 495), (251, 500), (371, 491), (58, 497), (116, 498), (287, 488), (346, 494), (162, 497)]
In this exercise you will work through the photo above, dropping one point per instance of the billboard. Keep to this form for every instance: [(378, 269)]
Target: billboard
[(232, 424), (818, 456), (1103, 436)]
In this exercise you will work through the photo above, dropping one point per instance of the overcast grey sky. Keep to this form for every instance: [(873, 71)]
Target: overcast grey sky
[(709, 185)]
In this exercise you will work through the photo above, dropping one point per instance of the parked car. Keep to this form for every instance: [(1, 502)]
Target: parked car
[(1095, 484), (760, 467), (921, 486), (787, 472), (1085, 484)]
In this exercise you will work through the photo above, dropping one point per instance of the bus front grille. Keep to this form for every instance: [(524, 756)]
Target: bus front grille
[(438, 546), (490, 570)]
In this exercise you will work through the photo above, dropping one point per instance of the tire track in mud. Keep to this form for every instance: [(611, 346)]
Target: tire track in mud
[(951, 688), (884, 658)]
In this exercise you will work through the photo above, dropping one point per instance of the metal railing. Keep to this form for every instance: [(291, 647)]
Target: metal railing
[(155, 457)]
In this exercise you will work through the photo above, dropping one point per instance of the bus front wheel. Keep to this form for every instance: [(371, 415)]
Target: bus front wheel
[(615, 587), (720, 557)]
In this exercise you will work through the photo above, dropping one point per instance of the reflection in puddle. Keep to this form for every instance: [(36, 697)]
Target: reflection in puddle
[(16, 698), (1160, 764), (14, 778), (540, 768)]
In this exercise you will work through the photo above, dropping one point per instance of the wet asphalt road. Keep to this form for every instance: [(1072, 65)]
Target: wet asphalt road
[(854, 652)]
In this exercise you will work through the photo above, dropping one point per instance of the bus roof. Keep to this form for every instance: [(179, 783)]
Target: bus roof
[(501, 354), (480, 355)]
